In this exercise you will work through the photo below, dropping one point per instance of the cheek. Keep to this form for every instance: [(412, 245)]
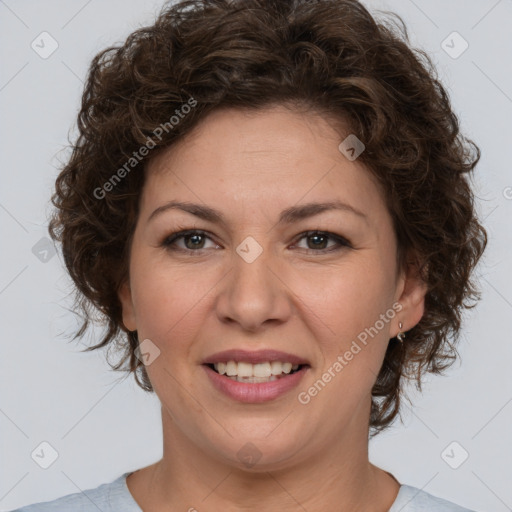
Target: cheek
[(347, 298), (166, 297), (170, 305), (352, 307), (354, 299)]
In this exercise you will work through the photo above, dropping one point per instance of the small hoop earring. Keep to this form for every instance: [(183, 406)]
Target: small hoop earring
[(400, 335)]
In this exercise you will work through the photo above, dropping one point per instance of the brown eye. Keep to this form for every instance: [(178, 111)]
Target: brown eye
[(193, 240), (317, 241)]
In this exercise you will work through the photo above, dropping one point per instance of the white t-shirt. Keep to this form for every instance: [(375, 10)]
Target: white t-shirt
[(115, 497)]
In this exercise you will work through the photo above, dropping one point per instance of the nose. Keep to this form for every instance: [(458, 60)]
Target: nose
[(254, 294)]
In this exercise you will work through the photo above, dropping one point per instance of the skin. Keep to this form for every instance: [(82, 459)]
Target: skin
[(195, 302)]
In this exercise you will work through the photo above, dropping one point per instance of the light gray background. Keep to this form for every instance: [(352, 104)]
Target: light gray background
[(99, 422)]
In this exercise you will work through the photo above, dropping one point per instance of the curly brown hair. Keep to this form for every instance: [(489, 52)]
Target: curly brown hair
[(330, 56)]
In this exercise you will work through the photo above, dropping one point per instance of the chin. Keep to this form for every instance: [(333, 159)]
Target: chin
[(259, 450)]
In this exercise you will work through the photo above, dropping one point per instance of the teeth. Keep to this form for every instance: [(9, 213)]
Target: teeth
[(231, 368), (245, 370), (254, 380), (259, 371), (287, 367), (276, 367)]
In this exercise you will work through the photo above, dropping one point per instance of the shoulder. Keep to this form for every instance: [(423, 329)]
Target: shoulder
[(107, 497), (412, 499)]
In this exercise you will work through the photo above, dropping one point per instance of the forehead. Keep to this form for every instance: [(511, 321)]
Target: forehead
[(258, 159)]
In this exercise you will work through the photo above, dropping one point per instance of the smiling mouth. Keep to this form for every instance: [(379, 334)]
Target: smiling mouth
[(270, 371)]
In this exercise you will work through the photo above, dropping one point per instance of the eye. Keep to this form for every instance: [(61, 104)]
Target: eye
[(320, 240), (193, 239)]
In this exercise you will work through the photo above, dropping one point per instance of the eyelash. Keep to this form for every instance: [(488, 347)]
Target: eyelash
[(170, 240)]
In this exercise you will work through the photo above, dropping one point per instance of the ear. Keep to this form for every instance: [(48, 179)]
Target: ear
[(412, 290), (128, 309)]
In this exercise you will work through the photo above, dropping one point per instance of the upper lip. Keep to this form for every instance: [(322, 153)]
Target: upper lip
[(254, 357)]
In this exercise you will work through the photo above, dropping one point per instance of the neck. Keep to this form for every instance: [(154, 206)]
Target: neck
[(338, 477)]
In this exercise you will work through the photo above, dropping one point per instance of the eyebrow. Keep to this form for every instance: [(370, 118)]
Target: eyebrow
[(288, 216)]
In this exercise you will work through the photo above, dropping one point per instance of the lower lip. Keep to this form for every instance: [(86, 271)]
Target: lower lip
[(257, 392)]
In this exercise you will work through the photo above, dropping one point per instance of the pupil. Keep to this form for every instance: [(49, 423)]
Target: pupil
[(317, 237), (196, 237)]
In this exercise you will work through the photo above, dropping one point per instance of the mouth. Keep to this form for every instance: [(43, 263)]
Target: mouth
[(268, 371), (255, 376)]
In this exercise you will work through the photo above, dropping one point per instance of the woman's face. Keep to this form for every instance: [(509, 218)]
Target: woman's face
[(252, 280)]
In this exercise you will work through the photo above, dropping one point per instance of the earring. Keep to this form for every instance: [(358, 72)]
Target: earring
[(400, 335)]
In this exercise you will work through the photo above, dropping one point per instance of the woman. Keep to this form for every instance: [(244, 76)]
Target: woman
[(269, 203)]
